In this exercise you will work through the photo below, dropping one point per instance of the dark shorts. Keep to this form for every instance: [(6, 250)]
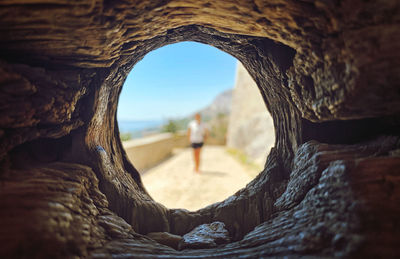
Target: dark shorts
[(197, 145)]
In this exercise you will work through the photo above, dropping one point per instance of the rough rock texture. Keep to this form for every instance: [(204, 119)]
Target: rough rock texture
[(250, 128), (205, 236), (328, 72), (166, 238)]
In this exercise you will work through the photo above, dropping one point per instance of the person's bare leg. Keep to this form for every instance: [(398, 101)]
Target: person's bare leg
[(194, 158), (197, 159)]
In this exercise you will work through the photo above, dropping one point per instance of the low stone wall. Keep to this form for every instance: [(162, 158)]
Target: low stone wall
[(148, 151)]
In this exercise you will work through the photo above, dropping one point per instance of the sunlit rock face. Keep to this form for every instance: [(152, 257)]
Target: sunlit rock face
[(328, 72), (251, 127)]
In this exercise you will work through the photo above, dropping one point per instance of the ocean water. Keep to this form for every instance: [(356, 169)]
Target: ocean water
[(138, 129)]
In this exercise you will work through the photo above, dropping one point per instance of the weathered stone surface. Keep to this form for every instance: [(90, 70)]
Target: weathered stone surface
[(313, 157), (205, 236), (330, 219), (329, 75), (166, 238), (53, 211)]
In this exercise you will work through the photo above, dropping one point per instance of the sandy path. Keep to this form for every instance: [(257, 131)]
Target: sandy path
[(174, 184)]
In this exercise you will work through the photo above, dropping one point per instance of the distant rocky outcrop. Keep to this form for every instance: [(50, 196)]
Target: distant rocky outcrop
[(220, 105), (250, 128)]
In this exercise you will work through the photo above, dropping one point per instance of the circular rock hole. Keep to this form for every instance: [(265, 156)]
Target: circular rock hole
[(158, 101)]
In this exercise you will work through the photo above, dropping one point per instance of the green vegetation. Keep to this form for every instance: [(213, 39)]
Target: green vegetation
[(171, 127), (243, 159), (124, 136), (175, 125)]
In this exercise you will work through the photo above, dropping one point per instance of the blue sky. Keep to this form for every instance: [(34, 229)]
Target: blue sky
[(175, 81)]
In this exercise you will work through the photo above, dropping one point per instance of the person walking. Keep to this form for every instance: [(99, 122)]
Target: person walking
[(197, 134)]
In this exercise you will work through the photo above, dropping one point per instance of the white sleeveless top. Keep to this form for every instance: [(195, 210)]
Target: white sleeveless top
[(197, 131)]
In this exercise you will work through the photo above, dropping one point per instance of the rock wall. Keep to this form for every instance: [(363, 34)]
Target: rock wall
[(329, 75), (149, 151), (250, 127)]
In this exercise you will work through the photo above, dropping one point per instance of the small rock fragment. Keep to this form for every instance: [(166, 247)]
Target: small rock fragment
[(205, 236)]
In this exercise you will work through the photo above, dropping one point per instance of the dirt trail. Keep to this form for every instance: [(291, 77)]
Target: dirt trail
[(175, 184)]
